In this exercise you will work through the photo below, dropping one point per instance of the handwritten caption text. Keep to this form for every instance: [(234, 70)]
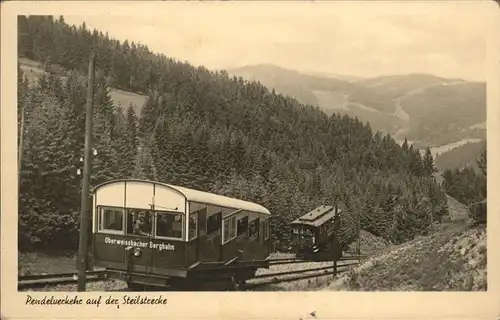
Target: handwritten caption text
[(96, 301)]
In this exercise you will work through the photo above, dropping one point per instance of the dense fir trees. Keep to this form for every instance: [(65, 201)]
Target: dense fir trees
[(205, 130), (468, 186), (428, 163), (53, 145)]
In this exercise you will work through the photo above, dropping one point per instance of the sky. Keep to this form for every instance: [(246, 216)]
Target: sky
[(363, 38)]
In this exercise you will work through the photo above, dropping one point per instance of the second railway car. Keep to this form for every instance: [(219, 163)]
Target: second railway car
[(152, 233), (314, 234)]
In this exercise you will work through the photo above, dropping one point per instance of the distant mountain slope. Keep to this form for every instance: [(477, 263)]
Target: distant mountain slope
[(344, 77), (461, 156), (396, 86), (446, 113), (427, 109), (332, 95), (291, 82)]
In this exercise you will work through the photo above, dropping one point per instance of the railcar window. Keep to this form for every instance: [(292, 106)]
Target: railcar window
[(111, 219), (304, 236), (253, 229), (213, 223), (193, 225), (232, 229), (266, 229), (169, 225), (200, 210), (242, 226), (99, 219), (139, 222), (226, 230), (229, 229)]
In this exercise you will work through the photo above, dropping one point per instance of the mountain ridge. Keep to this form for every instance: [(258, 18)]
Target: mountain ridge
[(398, 104)]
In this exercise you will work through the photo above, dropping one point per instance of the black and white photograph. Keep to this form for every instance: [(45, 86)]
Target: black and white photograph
[(245, 147)]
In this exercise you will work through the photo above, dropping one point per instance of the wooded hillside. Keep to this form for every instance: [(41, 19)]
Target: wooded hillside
[(460, 157), (205, 130), (469, 186)]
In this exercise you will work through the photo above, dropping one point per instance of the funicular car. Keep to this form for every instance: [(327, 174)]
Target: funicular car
[(156, 234), (314, 234)]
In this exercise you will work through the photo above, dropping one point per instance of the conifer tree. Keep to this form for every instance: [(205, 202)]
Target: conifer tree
[(482, 162), (405, 145), (428, 162)]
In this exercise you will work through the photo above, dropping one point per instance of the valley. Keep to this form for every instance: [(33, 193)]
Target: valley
[(450, 146), (400, 105)]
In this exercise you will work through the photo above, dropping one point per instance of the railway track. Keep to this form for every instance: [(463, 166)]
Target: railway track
[(267, 275), (294, 275), (275, 262), (43, 280)]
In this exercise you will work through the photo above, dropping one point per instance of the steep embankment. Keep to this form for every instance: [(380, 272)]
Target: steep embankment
[(369, 244), (453, 258)]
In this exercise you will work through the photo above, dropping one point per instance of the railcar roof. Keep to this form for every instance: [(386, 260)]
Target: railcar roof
[(202, 196), (317, 216)]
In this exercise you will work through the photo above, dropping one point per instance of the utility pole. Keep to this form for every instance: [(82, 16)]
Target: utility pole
[(358, 243), (85, 213)]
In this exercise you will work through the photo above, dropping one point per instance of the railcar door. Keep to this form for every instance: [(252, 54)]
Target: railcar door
[(208, 247)]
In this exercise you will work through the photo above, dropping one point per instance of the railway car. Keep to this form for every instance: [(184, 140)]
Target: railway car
[(156, 234), (314, 234)]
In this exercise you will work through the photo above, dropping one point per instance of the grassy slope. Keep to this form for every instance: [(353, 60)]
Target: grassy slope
[(124, 99), (369, 244), (39, 263), (32, 70), (453, 258)]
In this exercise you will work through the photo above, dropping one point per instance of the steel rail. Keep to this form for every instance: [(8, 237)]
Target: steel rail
[(274, 262), (303, 277), (299, 271), (42, 280), (30, 277), (279, 262)]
